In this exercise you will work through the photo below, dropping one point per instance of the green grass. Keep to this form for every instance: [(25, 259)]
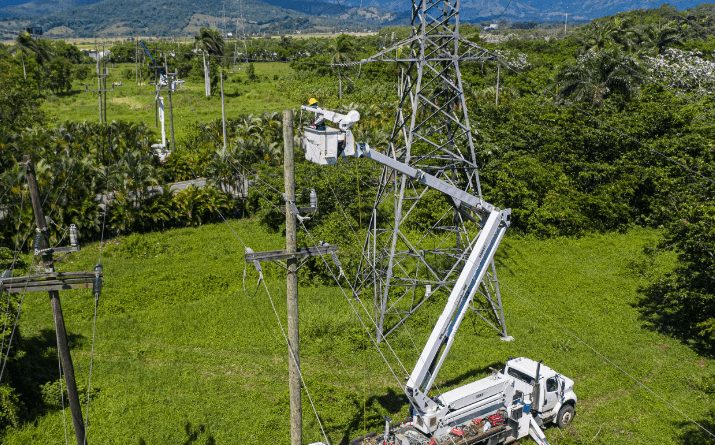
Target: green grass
[(134, 103), (180, 347)]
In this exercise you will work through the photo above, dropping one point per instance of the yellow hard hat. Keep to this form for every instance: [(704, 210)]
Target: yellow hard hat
[(312, 101)]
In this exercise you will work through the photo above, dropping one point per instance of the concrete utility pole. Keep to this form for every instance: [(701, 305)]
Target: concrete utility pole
[(565, 22), (99, 84), (296, 426), (101, 77), (104, 82), (170, 83), (496, 99), (62, 346)]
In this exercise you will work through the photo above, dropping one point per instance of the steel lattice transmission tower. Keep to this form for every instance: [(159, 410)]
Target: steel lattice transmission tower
[(405, 263)]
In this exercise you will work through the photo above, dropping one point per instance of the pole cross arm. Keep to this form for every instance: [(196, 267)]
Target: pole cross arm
[(303, 252), (49, 282)]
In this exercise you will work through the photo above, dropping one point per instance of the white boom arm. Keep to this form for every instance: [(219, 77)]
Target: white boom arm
[(344, 121), (495, 223)]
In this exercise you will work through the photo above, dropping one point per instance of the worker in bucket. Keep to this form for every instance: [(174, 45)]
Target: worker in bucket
[(319, 122)]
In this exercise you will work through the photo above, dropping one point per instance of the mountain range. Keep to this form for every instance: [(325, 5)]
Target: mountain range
[(110, 18)]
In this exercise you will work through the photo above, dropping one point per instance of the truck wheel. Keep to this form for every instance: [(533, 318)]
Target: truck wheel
[(566, 414)]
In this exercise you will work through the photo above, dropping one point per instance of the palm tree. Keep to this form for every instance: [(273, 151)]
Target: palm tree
[(660, 36), (26, 44), (21, 46), (342, 48), (597, 37), (211, 43), (623, 34), (597, 75)]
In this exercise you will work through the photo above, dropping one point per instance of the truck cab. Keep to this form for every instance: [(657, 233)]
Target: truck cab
[(552, 399)]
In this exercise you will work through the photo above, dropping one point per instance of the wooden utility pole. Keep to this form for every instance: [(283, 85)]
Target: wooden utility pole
[(136, 60), (296, 415), (169, 88), (223, 112), (291, 254), (59, 320)]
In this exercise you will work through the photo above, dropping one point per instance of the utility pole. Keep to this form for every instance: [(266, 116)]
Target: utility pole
[(104, 82), (136, 60), (99, 83), (291, 254), (170, 87), (48, 264), (100, 77), (496, 100), (565, 22), (223, 111), (296, 426), (156, 87)]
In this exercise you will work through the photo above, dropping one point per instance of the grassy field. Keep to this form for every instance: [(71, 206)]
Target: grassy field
[(183, 355), (133, 103)]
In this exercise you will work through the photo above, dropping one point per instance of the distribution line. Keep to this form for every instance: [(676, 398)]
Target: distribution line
[(96, 304), (295, 360), (643, 385), (305, 386), (327, 266), (62, 391), (17, 178), (454, 422), (406, 329), (17, 318)]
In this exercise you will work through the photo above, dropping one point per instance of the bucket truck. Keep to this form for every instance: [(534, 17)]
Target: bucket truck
[(512, 403)]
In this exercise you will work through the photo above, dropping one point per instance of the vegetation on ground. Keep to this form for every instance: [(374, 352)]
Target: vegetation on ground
[(601, 142)]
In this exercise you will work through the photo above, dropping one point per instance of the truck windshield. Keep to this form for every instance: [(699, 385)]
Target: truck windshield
[(521, 376)]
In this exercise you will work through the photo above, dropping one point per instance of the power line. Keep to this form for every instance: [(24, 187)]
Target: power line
[(611, 362)]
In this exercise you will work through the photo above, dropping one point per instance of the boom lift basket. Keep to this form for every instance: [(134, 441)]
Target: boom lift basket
[(324, 146)]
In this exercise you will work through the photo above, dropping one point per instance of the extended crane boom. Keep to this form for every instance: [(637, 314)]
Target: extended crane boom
[(507, 406), (495, 223), (150, 57)]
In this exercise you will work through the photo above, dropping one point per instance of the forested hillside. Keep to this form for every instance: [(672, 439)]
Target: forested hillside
[(601, 141)]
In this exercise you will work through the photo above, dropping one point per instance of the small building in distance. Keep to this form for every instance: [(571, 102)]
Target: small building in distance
[(94, 55)]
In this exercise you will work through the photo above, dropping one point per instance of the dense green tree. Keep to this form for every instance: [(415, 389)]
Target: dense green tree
[(19, 107), (59, 75), (683, 302)]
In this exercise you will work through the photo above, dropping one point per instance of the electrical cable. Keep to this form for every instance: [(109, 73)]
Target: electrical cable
[(62, 391), (96, 306), (402, 387), (611, 362), (275, 311), (295, 361), (17, 319), (17, 178)]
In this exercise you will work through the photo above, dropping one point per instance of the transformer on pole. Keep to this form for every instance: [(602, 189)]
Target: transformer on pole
[(406, 262)]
